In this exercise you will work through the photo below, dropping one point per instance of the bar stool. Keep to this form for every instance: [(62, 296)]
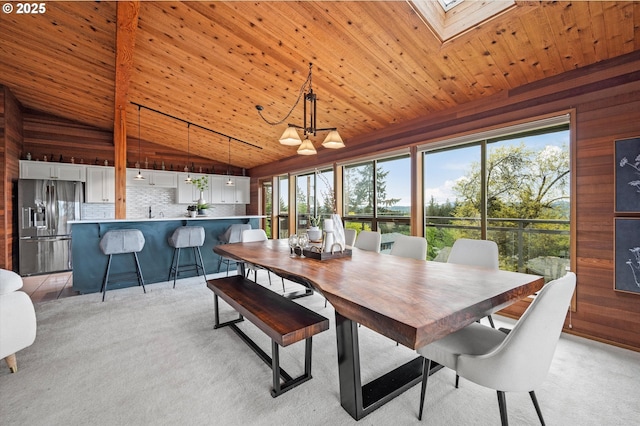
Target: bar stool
[(233, 234), (122, 241), (187, 237)]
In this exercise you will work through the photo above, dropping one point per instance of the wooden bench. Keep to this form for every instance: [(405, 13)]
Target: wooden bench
[(282, 319)]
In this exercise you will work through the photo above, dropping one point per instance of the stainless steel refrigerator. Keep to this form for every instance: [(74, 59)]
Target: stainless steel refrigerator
[(45, 238)]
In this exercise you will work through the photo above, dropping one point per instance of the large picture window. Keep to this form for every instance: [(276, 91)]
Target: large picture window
[(314, 196), (283, 207), (377, 196), (513, 189)]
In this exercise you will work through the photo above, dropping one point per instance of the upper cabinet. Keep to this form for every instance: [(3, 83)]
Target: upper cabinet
[(188, 193), (157, 178), (101, 185), (218, 192), (221, 193), (50, 170)]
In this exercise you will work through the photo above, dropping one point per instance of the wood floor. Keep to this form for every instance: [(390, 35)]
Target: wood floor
[(42, 288)]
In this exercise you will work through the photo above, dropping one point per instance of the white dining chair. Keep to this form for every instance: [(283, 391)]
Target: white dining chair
[(409, 246), (350, 237), (482, 253), (368, 240), (517, 361), (253, 235)]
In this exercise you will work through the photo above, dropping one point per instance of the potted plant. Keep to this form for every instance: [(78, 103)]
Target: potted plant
[(201, 207), (192, 210), (314, 232), (202, 183)]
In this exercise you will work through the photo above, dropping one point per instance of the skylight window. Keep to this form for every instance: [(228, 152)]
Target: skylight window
[(448, 4), (448, 19)]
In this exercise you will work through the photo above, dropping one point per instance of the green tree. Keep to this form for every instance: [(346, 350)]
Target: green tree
[(359, 189), (521, 183)]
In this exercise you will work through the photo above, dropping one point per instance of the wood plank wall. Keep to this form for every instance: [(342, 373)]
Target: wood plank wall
[(10, 141), (54, 136), (605, 100)]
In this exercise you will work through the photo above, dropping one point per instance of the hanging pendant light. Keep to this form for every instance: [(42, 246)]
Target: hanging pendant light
[(186, 168), (333, 140), (230, 181), (139, 176), (291, 137), (307, 148)]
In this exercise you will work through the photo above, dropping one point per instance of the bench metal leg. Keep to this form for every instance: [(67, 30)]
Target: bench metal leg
[(216, 313), (282, 381), (289, 383)]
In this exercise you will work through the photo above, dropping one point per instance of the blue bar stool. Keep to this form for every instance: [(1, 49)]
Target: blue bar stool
[(122, 241), (187, 237)]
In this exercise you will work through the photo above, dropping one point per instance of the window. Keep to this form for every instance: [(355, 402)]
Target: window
[(267, 207), (377, 196), (513, 189), (283, 207), (314, 196)]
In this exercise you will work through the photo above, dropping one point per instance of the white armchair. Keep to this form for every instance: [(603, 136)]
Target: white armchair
[(17, 318)]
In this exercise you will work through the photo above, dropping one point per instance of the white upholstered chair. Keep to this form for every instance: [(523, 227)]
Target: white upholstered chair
[(368, 240), (482, 253), (17, 318), (409, 246), (252, 235), (517, 361), (349, 237)]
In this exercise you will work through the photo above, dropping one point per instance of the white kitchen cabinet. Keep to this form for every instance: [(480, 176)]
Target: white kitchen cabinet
[(101, 185), (50, 170), (156, 178), (188, 193), (243, 189), (224, 194)]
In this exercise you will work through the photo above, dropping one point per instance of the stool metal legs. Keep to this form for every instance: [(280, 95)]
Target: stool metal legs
[(175, 264), (139, 276)]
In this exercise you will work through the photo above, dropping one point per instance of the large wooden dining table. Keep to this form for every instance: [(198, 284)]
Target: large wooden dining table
[(413, 302)]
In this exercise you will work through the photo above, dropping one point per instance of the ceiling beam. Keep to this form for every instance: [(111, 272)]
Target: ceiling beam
[(126, 25)]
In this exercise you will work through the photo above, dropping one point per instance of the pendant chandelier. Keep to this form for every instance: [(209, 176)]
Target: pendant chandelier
[(309, 127), (230, 181), (139, 176), (186, 168)]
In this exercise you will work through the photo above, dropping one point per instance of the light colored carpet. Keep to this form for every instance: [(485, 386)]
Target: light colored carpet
[(155, 358)]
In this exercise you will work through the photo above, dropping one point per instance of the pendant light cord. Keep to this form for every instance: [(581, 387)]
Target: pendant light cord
[(301, 94)]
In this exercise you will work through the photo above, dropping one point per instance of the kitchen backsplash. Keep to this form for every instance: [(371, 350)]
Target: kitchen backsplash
[(162, 203)]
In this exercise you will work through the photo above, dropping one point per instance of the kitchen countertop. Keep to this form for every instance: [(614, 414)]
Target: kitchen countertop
[(162, 219)]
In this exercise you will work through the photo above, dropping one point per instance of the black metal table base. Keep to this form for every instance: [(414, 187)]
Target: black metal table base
[(282, 381), (359, 400)]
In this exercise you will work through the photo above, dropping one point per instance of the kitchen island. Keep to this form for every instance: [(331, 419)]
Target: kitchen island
[(90, 264)]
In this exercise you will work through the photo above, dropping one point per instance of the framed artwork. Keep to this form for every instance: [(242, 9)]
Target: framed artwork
[(627, 175), (627, 255)]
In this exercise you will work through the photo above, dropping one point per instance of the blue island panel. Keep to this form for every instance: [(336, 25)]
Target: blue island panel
[(90, 264)]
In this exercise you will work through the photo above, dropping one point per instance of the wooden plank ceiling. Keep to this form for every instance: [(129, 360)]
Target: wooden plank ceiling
[(375, 64)]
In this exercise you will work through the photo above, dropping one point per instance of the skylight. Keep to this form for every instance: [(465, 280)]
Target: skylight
[(452, 18), (448, 4)]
